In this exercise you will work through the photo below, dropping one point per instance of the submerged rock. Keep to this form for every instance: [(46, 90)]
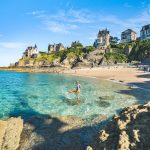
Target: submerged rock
[(104, 104), (111, 97), (128, 131)]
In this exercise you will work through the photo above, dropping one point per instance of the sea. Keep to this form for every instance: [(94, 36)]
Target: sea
[(29, 94)]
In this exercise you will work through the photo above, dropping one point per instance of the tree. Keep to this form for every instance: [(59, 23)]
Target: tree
[(76, 44), (113, 40), (140, 50)]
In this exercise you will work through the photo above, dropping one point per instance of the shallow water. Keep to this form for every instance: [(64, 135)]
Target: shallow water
[(27, 94)]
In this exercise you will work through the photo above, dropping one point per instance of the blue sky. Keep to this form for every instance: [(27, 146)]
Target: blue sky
[(26, 22)]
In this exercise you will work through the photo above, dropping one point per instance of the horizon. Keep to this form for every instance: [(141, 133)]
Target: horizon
[(27, 22)]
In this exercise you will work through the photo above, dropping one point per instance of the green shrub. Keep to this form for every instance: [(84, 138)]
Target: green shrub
[(115, 57)]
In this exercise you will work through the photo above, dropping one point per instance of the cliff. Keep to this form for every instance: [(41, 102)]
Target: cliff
[(71, 59)]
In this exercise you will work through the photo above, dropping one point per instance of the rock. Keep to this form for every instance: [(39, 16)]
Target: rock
[(51, 133), (66, 63), (95, 57), (10, 132), (103, 136), (129, 130), (89, 148), (123, 141), (56, 62)]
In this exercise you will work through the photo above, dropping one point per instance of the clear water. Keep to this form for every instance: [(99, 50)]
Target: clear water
[(27, 94)]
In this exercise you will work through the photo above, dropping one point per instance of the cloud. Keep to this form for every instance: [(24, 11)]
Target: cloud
[(60, 27), (12, 45), (143, 4), (127, 5), (134, 23), (67, 21), (68, 3), (36, 12), (80, 16), (63, 21)]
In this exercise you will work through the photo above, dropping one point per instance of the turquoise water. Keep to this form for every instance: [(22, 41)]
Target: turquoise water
[(27, 94)]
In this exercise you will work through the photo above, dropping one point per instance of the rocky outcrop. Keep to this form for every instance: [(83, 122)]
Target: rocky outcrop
[(51, 133), (92, 59), (57, 133), (10, 132), (95, 57), (130, 130)]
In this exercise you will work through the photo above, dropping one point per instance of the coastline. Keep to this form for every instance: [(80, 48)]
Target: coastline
[(130, 76)]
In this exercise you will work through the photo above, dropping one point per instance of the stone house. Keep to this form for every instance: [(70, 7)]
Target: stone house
[(145, 32), (55, 47), (103, 40), (128, 35), (31, 52)]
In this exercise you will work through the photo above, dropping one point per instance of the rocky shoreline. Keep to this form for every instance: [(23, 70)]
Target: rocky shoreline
[(129, 130), (35, 69)]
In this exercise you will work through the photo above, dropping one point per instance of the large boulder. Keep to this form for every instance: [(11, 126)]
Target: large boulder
[(10, 132), (95, 57)]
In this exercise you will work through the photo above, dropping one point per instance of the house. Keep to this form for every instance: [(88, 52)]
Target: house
[(103, 40), (55, 47), (128, 35), (31, 52), (145, 32)]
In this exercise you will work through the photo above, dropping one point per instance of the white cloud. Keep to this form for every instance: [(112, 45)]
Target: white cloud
[(127, 5), (143, 4), (68, 3), (12, 45), (60, 27), (63, 21), (133, 23), (36, 12), (80, 16), (66, 21)]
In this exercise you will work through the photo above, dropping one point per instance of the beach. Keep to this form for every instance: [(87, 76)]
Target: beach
[(123, 74)]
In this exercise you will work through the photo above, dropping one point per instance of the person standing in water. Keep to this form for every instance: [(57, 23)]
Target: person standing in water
[(78, 89)]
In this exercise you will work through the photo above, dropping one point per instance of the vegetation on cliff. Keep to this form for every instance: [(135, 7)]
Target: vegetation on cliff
[(140, 50), (119, 53), (115, 58), (75, 52)]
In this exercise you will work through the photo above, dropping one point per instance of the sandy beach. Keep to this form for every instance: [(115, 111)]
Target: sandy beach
[(123, 74)]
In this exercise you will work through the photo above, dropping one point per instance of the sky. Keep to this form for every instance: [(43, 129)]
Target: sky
[(26, 22)]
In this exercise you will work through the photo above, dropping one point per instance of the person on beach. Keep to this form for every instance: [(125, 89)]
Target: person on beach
[(77, 90)]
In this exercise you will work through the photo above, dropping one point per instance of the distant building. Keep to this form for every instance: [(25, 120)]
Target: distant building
[(145, 32), (128, 35), (102, 41), (31, 52), (55, 47)]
